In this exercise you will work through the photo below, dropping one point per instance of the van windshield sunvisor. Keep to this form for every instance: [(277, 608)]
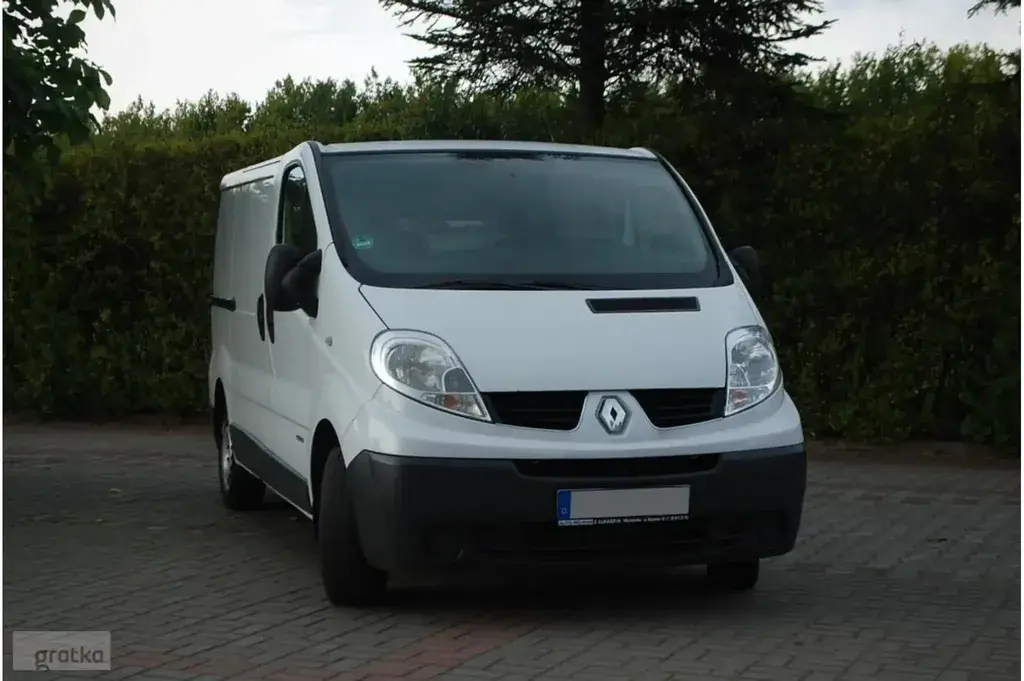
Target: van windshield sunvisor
[(516, 221)]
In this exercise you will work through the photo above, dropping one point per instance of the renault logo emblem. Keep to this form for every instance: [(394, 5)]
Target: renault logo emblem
[(613, 415)]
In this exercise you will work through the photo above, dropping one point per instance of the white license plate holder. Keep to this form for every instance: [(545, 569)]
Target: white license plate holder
[(575, 507)]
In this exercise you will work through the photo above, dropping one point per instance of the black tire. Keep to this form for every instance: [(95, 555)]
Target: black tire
[(240, 490), (740, 576), (349, 579)]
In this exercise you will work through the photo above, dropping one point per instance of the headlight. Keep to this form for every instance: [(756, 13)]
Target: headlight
[(424, 368), (754, 372)]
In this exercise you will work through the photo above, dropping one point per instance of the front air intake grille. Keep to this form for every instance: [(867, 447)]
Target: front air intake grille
[(550, 410), (635, 467), (681, 407), (561, 410)]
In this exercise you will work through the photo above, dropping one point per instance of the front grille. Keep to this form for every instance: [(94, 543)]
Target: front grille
[(636, 467), (551, 410), (670, 408), (545, 542)]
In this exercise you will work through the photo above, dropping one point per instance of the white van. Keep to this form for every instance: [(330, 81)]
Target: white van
[(488, 354)]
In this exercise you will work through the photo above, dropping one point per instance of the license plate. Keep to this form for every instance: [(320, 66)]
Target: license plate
[(614, 506)]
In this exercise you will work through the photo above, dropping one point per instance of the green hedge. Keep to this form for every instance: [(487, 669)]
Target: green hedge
[(890, 234)]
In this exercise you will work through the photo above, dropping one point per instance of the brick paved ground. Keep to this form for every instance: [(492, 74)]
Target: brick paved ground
[(901, 573)]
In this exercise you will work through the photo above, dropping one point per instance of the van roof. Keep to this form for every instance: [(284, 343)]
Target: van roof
[(257, 171), (265, 169), (481, 145)]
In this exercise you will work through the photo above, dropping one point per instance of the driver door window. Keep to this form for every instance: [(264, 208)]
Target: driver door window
[(296, 225)]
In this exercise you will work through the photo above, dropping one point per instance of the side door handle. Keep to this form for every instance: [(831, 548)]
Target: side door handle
[(261, 321), (223, 303)]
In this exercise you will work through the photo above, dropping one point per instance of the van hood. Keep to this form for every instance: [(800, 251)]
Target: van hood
[(551, 340)]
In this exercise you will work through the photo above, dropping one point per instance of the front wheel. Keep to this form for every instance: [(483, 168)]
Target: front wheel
[(348, 578), (740, 576), (240, 490)]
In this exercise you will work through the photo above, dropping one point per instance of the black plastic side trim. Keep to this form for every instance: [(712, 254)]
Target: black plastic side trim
[(269, 314), (278, 475), (223, 303), (613, 305), (261, 317)]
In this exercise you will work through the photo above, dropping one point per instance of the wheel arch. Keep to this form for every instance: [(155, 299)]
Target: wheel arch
[(220, 410), (325, 439)]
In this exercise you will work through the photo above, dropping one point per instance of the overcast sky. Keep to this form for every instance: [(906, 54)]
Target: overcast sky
[(170, 50)]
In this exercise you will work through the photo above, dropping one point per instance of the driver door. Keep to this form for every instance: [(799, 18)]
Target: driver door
[(293, 351)]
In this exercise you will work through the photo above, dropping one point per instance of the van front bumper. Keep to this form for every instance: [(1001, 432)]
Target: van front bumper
[(423, 513)]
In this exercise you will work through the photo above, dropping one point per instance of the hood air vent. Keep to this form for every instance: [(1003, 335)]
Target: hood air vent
[(618, 305)]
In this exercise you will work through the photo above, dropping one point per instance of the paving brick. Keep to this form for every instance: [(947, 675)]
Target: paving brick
[(901, 573)]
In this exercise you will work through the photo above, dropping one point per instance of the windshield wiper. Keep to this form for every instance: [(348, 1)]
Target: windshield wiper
[(489, 285)]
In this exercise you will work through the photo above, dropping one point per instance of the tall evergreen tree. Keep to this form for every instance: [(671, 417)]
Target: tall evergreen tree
[(998, 6), (600, 46)]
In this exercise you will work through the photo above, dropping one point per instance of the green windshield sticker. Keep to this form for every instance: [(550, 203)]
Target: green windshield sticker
[(362, 242)]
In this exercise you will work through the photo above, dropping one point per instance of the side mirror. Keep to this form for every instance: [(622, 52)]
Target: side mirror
[(748, 263), (280, 261), (300, 282)]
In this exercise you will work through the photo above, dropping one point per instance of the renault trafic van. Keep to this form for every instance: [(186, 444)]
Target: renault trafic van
[(495, 354)]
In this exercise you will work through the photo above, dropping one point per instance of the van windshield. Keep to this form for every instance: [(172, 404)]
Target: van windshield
[(465, 220)]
